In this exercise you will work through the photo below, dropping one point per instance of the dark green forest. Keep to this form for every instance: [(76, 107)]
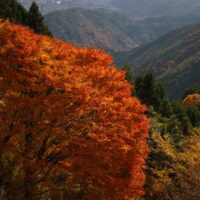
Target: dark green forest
[(108, 29), (15, 12)]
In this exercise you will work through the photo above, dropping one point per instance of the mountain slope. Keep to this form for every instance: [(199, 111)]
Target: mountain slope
[(174, 57), (98, 28), (149, 29), (149, 8), (135, 8), (53, 5), (102, 28)]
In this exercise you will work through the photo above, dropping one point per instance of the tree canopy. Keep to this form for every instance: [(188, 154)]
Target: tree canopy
[(35, 20), (16, 13), (69, 126)]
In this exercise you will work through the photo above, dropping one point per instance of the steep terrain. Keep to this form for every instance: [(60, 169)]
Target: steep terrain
[(100, 28), (134, 8), (149, 29), (107, 29), (148, 8), (174, 57), (53, 5)]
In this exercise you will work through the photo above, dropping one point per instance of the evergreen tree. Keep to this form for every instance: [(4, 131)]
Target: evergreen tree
[(13, 10), (145, 89), (163, 103), (21, 14), (16, 13), (152, 93), (182, 116), (165, 108), (129, 77), (5, 10), (194, 115), (35, 20)]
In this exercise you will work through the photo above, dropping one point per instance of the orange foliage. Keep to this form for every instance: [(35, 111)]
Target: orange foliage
[(69, 126), (174, 174), (191, 100)]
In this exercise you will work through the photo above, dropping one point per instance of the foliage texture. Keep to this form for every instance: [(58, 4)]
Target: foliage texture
[(191, 100), (69, 126), (173, 173)]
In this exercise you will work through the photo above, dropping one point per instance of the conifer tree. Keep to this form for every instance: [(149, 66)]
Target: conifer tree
[(13, 10), (129, 77), (194, 115), (152, 93), (182, 116), (145, 88), (35, 20), (4, 9)]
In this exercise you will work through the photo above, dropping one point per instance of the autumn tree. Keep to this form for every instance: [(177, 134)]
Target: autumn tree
[(191, 100), (69, 126), (173, 173)]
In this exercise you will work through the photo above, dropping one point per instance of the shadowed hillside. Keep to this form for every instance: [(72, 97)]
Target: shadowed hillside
[(174, 57), (99, 28), (102, 28)]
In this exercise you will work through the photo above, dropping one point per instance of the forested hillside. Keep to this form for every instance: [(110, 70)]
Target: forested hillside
[(98, 28), (106, 29), (174, 58), (136, 9), (75, 127), (149, 8), (53, 5), (149, 29)]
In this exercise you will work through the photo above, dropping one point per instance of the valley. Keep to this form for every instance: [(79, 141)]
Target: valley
[(174, 59), (110, 30)]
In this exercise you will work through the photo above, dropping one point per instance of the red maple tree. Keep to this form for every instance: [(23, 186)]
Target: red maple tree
[(69, 126)]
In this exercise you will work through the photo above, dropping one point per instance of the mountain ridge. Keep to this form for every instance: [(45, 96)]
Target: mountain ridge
[(136, 8), (174, 58), (108, 29), (100, 28)]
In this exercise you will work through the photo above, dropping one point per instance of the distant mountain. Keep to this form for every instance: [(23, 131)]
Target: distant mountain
[(149, 29), (174, 57), (52, 5), (135, 8), (149, 8), (107, 29), (97, 28)]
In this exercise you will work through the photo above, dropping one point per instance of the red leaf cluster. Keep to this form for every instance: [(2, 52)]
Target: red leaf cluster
[(69, 126)]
